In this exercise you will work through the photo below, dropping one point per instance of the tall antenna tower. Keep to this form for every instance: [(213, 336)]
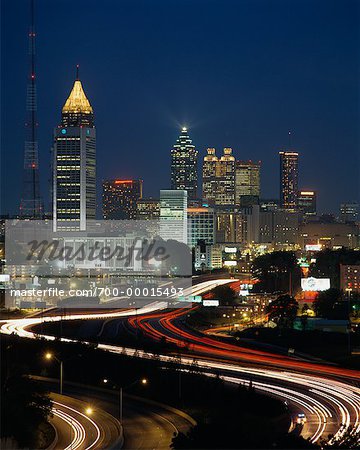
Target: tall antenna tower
[(31, 205)]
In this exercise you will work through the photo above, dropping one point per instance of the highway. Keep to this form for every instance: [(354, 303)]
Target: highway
[(146, 424), (80, 427), (328, 395)]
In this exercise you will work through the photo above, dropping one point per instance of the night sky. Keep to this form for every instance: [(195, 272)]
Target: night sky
[(239, 74)]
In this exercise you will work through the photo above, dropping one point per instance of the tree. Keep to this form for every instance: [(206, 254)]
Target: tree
[(225, 294), (348, 440), (25, 405), (329, 305), (277, 271), (283, 311), (328, 264)]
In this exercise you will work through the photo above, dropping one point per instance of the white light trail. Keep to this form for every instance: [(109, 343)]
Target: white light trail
[(333, 402)]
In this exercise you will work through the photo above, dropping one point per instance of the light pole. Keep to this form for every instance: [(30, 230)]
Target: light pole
[(49, 356), (89, 411), (143, 381)]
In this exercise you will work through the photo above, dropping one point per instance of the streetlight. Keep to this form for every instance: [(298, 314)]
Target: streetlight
[(143, 381), (89, 411), (49, 356)]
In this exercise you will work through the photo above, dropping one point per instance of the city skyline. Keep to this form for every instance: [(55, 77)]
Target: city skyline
[(324, 128), (180, 233)]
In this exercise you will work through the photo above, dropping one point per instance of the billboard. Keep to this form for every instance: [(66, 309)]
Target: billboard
[(313, 247), (230, 263), (230, 249), (315, 284), (211, 302)]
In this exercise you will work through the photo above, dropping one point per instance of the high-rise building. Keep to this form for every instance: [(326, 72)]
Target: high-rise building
[(230, 226), (247, 183), (31, 205), (148, 209), (201, 225), (184, 165), (119, 199), (349, 212), (219, 178), (173, 215), (289, 175), (74, 163), (209, 179), (278, 227), (269, 204), (286, 227), (307, 202)]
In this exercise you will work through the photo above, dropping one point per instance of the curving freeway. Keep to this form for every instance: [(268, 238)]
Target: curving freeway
[(80, 428), (328, 395)]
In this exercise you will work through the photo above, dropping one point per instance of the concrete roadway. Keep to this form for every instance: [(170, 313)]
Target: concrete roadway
[(77, 427), (146, 425)]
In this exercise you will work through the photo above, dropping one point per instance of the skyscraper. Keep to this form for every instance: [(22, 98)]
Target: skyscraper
[(307, 202), (289, 175), (31, 205), (184, 165), (74, 163), (148, 209), (173, 215), (201, 225), (209, 179), (247, 183), (119, 199), (219, 177)]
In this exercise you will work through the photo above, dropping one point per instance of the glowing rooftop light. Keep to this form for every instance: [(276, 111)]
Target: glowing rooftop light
[(77, 101)]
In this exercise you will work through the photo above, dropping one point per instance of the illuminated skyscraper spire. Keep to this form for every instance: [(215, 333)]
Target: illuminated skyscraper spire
[(77, 110), (31, 205), (184, 165)]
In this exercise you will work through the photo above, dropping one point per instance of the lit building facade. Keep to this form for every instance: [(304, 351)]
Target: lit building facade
[(289, 176), (247, 183), (74, 164), (230, 225), (173, 215), (349, 212), (285, 227), (269, 204), (184, 165), (307, 202), (201, 225), (209, 179), (119, 199), (207, 257), (148, 209), (350, 278), (279, 228), (329, 235), (219, 177)]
